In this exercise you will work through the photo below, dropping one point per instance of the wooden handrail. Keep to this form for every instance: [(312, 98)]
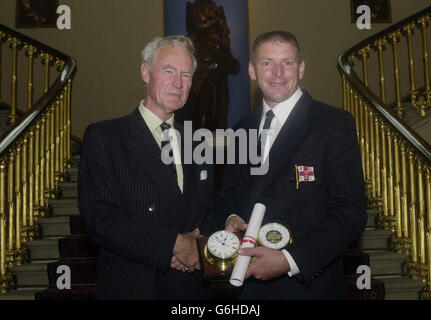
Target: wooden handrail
[(69, 70), (399, 124), (346, 69)]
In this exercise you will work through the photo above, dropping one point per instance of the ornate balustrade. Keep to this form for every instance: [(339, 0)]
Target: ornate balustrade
[(396, 161), (35, 151)]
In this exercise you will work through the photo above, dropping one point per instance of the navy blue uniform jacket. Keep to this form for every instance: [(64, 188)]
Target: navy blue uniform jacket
[(325, 216)]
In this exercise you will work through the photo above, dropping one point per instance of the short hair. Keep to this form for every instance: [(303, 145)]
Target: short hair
[(281, 36), (149, 54)]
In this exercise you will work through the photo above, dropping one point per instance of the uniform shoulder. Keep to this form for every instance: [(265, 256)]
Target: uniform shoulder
[(107, 128), (245, 120), (321, 109), (108, 124)]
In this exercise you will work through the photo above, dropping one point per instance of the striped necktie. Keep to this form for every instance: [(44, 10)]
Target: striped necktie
[(166, 141)]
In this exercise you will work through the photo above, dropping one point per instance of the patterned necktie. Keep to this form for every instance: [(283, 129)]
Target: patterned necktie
[(269, 115), (166, 141)]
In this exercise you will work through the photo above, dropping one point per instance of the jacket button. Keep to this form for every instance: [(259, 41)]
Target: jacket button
[(240, 182), (152, 208)]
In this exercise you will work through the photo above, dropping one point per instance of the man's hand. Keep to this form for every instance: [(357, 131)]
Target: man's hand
[(185, 252), (269, 263), (236, 224), (176, 264)]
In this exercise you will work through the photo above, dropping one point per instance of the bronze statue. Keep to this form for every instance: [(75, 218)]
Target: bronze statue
[(207, 28)]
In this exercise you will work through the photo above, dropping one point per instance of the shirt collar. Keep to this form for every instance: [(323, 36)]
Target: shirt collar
[(153, 121), (283, 109)]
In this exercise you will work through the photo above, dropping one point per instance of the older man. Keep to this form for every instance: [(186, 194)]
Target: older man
[(314, 185), (143, 212)]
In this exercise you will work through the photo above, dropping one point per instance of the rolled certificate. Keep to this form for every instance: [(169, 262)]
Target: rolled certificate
[(249, 241)]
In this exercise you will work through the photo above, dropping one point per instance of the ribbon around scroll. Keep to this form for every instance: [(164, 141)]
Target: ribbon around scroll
[(241, 265)]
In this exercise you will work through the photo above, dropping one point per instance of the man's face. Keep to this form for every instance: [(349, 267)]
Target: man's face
[(169, 81), (277, 70)]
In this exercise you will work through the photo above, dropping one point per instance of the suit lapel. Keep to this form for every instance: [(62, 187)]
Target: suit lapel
[(142, 145), (289, 138)]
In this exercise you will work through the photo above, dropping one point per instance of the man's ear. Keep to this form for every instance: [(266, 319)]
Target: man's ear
[(145, 72), (301, 69), (251, 71)]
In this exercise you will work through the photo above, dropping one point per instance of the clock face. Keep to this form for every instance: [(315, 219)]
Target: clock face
[(274, 236), (223, 244)]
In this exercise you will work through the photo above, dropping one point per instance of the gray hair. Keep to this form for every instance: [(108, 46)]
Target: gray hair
[(149, 54)]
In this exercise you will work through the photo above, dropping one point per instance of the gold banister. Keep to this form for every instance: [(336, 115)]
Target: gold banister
[(12, 216), (409, 29), (380, 45), (18, 205), (394, 36), (47, 62), (31, 176), (390, 187), (364, 55), (14, 43), (395, 159), (425, 103), (34, 151), (2, 39), (3, 269)]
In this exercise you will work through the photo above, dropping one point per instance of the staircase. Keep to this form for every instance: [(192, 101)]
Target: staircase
[(64, 242), (386, 265)]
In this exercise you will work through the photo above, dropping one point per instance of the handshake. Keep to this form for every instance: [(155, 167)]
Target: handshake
[(185, 253)]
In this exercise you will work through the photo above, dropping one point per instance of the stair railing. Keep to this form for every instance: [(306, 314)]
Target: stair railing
[(35, 151), (396, 161)]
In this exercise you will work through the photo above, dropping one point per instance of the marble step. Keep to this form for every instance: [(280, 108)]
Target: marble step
[(31, 275), (374, 239), (21, 294), (64, 207), (76, 157), (385, 263), (45, 249), (73, 174), (69, 190), (401, 288), (55, 226), (372, 217)]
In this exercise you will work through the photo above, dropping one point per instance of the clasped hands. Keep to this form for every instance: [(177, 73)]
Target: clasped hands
[(185, 253), (268, 263)]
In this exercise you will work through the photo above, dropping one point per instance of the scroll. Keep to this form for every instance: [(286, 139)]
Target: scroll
[(249, 241)]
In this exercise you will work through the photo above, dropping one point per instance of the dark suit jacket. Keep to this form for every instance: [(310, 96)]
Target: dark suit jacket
[(134, 209), (325, 216)]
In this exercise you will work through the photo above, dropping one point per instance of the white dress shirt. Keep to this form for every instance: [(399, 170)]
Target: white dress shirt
[(153, 122)]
